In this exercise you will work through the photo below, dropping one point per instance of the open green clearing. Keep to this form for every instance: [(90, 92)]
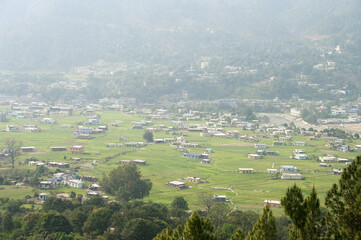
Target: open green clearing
[(165, 163)]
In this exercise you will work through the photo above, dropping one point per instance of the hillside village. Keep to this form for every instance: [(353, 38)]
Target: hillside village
[(90, 137)]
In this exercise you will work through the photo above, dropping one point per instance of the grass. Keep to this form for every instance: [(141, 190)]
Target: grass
[(165, 163)]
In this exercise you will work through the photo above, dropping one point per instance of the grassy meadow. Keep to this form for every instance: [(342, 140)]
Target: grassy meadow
[(165, 163)]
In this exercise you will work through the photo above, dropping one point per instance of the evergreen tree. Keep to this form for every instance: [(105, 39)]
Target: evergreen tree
[(238, 235), (180, 202), (29, 222), (126, 183), (7, 222), (344, 200), (313, 224), (51, 222), (197, 228), (294, 207), (170, 234), (148, 136), (265, 228), (97, 222)]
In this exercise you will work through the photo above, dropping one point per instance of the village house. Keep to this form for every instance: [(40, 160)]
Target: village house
[(193, 179), (336, 171), (344, 148), (271, 171), (59, 176), (292, 176), (192, 145), (219, 198), (43, 196), (66, 126), (12, 128), (271, 152), (327, 159), (93, 121), (342, 160), (84, 130), (254, 156), (125, 162), (84, 136), (300, 156), (47, 184), (111, 145), (286, 138), (139, 162), (48, 121), (28, 149), (177, 184), (297, 143), (181, 148), (61, 111), (196, 155), (94, 187), (92, 193), (298, 151), (76, 149), (158, 140), (208, 151), (272, 203), (278, 143), (245, 170), (286, 168), (220, 135), (74, 183), (57, 149), (58, 164), (261, 152), (36, 163), (30, 128), (260, 145), (206, 161), (134, 144)]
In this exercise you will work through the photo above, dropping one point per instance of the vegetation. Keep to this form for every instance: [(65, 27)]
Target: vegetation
[(97, 218), (125, 182)]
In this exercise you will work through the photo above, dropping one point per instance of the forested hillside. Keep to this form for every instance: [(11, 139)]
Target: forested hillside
[(56, 34)]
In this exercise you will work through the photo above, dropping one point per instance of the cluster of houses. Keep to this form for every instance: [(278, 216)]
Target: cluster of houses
[(83, 132), (58, 179), (283, 169), (30, 128)]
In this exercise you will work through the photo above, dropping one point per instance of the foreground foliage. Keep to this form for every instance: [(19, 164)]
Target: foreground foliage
[(97, 218)]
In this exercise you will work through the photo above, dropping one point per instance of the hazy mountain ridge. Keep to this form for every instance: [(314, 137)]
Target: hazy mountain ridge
[(58, 34)]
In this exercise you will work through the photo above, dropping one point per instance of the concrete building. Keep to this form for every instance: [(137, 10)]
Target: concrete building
[(245, 170), (76, 149), (292, 176)]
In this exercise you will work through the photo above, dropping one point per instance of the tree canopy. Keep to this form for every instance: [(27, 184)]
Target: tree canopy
[(126, 183)]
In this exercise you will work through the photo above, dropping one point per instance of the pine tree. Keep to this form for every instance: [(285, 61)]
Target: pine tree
[(344, 200), (197, 228), (238, 235), (170, 234), (265, 228), (313, 224), (294, 207)]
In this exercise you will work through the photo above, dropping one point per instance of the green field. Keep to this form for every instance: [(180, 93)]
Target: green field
[(165, 163)]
